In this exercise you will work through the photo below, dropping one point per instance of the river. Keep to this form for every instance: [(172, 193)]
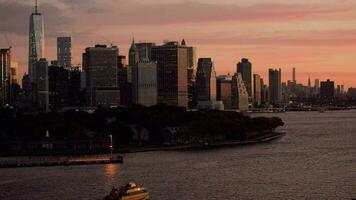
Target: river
[(315, 160)]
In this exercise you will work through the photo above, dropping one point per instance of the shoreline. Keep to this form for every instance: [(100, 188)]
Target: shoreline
[(230, 143), (48, 161)]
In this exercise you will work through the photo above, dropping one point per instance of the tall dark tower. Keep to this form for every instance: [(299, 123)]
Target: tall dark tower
[(36, 41), (133, 54)]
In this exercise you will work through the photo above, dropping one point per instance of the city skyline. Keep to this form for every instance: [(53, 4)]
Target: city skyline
[(270, 33)]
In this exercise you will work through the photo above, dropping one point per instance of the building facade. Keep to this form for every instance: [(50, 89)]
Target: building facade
[(239, 94), (101, 80), (245, 69), (144, 50), (58, 87), (172, 67), (224, 91), (257, 90), (41, 85), (327, 91), (64, 52), (144, 83), (275, 86), (206, 80), (36, 42), (5, 76)]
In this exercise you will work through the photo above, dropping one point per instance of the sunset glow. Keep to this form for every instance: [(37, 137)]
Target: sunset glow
[(318, 37)]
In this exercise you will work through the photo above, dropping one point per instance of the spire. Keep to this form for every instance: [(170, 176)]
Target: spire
[(133, 45), (36, 6), (183, 42)]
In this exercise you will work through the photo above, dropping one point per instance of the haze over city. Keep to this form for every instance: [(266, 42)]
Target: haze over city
[(317, 37)]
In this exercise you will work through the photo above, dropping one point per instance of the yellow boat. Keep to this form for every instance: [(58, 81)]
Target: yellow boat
[(130, 191)]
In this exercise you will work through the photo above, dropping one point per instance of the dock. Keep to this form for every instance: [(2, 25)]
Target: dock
[(50, 161)]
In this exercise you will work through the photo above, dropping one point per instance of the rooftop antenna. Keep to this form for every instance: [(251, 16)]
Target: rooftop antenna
[(36, 6)]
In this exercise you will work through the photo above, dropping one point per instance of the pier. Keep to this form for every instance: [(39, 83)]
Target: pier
[(48, 161)]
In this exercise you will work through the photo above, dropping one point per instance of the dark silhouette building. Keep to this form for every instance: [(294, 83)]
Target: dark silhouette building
[(58, 87), (122, 78), (327, 91), (40, 84), (36, 42), (245, 68), (100, 68), (206, 80), (5, 63), (64, 52), (64, 88), (172, 68), (275, 86)]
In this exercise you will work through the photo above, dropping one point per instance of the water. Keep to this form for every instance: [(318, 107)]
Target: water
[(316, 160)]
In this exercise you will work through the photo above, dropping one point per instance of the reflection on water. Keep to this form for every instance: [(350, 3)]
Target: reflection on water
[(111, 171), (315, 160)]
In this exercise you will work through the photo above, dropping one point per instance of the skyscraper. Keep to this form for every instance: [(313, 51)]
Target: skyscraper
[(59, 85), (191, 75), (5, 63), (308, 89), (101, 79), (172, 67), (264, 92), (317, 87), (206, 80), (327, 91), (144, 83), (41, 84), (133, 54), (257, 89), (245, 68), (14, 73), (275, 86), (64, 52), (294, 76), (239, 94), (144, 50), (224, 91), (36, 41)]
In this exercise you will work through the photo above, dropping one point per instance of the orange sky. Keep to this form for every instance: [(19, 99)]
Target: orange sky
[(318, 37)]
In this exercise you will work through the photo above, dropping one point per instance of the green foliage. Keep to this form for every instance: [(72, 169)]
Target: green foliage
[(79, 125)]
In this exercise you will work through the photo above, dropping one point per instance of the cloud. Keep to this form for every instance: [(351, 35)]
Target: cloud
[(17, 16), (188, 12), (289, 38)]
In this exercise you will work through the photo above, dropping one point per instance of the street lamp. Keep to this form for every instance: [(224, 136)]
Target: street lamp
[(111, 146)]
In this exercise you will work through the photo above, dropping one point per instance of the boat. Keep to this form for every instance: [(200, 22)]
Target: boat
[(130, 191)]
